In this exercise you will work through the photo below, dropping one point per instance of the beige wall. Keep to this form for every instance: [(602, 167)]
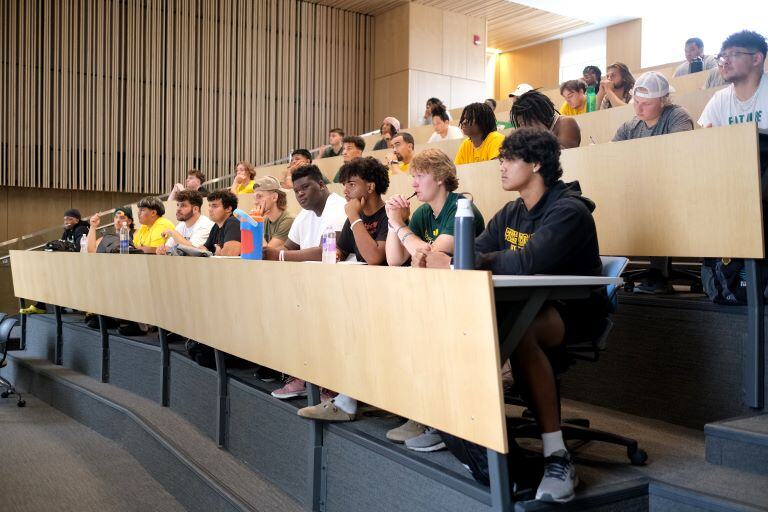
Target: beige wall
[(537, 65), (431, 52), (623, 42)]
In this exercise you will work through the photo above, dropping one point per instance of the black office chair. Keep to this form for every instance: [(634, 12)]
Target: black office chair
[(578, 429), (6, 327)]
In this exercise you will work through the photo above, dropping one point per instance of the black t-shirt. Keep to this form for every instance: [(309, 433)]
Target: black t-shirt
[(376, 225), (229, 232)]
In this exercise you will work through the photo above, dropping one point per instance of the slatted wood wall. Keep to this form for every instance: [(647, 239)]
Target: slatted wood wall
[(127, 95)]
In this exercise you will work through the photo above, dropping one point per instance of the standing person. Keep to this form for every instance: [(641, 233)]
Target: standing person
[(193, 227), (694, 49), (243, 182), (548, 229), (742, 62), (431, 228), (150, 235), (224, 238), (194, 181), (575, 94), (533, 109), (270, 203), (390, 126), (364, 234), (444, 130), (592, 77), (335, 137), (478, 123), (616, 87)]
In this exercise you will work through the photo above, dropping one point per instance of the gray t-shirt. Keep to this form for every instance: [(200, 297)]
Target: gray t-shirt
[(714, 79), (674, 118), (708, 62)]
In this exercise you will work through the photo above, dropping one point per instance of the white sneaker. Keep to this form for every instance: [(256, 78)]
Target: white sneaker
[(560, 479)]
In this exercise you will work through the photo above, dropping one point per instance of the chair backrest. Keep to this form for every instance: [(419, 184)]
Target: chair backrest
[(613, 266)]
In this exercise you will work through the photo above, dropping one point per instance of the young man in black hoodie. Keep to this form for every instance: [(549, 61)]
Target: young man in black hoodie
[(548, 230)]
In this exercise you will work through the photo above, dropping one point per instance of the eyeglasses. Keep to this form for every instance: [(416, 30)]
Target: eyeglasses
[(727, 57)]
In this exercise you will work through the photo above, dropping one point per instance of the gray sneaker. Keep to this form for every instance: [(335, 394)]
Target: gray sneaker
[(560, 478), (429, 441)]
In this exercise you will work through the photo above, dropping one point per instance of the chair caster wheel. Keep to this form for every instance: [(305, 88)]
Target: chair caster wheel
[(21, 403), (637, 457), (4, 394)]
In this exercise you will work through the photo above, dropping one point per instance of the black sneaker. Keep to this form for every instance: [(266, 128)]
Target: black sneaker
[(658, 286), (131, 329), (265, 374), (560, 479)]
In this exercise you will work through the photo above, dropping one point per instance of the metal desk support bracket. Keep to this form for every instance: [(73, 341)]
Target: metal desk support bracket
[(222, 413), (317, 463), (57, 356), (104, 348), (753, 358), (165, 368)]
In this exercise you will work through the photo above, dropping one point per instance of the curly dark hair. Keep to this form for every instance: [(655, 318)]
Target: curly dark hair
[(367, 169), (193, 197), (303, 152), (227, 198), (310, 171), (531, 108), (534, 145), (481, 115), (746, 39), (359, 142)]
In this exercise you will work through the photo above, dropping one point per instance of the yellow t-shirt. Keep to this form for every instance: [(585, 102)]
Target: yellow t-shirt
[(567, 110), (488, 150), (403, 166), (152, 236), (246, 189)]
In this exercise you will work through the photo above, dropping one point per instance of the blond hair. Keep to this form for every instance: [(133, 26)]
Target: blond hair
[(248, 167), (439, 165)]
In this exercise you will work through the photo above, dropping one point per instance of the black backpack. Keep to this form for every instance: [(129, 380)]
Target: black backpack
[(725, 281), (60, 246)]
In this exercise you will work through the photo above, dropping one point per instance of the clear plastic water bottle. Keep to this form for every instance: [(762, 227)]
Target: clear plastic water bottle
[(124, 239), (329, 245), (83, 244), (464, 231)]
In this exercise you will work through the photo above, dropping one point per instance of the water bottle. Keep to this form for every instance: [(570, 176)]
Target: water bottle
[(124, 239), (329, 245), (591, 99), (83, 244), (464, 232)]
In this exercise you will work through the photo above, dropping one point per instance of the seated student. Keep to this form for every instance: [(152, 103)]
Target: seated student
[(519, 91), (320, 209), (150, 235), (110, 242), (430, 228), (364, 235), (742, 62), (335, 136), (402, 147), (353, 147), (535, 110), (74, 229), (575, 94), (194, 181), (694, 49), (616, 87), (715, 78), (270, 203), (243, 182), (478, 123), (224, 238), (491, 103), (389, 128), (654, 115), (591, 75), (431, 103), (444, 130), (299, 158), (549, 229), (193, 227)]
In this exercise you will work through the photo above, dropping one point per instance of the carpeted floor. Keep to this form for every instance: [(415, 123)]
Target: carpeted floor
[(48, 461)]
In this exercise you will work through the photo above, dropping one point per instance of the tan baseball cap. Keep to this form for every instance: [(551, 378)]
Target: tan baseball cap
[(266, 184)]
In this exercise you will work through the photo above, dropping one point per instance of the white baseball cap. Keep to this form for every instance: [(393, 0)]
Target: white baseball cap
[(652, 85), (521, 89)]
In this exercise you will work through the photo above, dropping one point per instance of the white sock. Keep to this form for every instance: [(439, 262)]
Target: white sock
[(345, 403), (553, 441)]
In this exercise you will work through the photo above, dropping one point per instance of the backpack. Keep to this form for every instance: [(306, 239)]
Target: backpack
[(60, 246), (725, 281)]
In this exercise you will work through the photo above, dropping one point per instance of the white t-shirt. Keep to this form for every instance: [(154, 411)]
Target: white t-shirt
[(307, 229), (725, 108), (197, 234), (454, 132)]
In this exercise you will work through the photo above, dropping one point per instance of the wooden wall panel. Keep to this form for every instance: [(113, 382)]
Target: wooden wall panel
[(464, 91), (391, 42), (127, 95), (623, 42), (4, 214), (391, 98), (536, 65), (455, 48), (426, 48), (423, 86), (476, 52)]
